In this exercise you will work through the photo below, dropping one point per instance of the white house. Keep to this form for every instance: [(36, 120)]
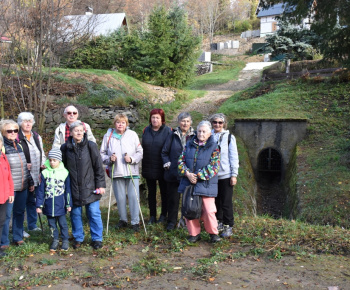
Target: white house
[(268, 22), (94, 24)]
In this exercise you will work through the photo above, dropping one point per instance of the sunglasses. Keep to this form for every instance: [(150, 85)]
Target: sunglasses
[(218, 122), (72, 113), (12, 131)]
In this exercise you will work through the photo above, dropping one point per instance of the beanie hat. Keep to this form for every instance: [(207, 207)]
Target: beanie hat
[(55, 153)]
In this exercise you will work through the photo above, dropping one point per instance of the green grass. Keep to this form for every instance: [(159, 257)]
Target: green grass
[(221, 74), (323, 157)]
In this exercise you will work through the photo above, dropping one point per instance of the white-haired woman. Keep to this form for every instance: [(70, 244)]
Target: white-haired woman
[(171, 152), (199, 165), (83, 161), (22, 182), (227, 174), (32, 146)]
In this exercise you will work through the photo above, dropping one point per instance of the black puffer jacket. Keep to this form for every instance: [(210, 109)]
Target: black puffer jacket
[(152, 144), (83, 161)]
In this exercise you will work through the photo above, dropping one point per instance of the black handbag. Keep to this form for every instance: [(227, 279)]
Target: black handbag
[(191, 204)]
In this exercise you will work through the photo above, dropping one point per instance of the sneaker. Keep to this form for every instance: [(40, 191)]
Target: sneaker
[(170, 227), (25, 234), (121, 224), (76, 245), (135, 228), (152, 220), (54, 245), (65, 245), (220, 226), (193, 239), (181, 223), (19, 243), (4, 247), (35, 230), (97, 245), (227, 232), (214, 238), (162, 219)]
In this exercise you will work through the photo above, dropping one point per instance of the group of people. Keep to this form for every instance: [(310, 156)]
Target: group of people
[(73, 175)]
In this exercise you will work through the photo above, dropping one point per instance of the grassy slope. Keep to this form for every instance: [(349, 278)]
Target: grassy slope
[(324, 155)]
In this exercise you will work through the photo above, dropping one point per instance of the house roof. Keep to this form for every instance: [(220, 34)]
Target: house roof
[(276, 9), (97, 24)]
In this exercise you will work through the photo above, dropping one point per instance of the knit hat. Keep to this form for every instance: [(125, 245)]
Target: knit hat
[(55, 153)]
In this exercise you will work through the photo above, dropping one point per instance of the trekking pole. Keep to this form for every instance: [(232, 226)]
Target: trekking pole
[(41, 223), (110, 197), (137, 198)]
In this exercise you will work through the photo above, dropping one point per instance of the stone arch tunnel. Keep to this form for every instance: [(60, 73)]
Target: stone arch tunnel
[(270, 144)]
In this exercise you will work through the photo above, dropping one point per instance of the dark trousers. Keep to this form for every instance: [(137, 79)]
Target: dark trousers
[(31, 210), (152, 196), (62, 222), (3, 208), (224, 203), (173, 201)]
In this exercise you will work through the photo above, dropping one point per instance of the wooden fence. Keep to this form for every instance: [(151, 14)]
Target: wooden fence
[(327, 72)]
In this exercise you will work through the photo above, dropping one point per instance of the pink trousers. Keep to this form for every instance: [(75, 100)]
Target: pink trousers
[(208, 217)]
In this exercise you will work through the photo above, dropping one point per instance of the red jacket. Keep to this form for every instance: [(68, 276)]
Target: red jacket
[(6, 182)]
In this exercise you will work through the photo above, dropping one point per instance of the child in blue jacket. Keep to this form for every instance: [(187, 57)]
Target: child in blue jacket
[(54, 197)]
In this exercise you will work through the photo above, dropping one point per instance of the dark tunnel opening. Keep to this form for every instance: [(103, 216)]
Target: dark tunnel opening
[(271, 194)]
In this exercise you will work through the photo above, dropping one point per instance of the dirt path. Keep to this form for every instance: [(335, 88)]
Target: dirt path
[(218, 94)]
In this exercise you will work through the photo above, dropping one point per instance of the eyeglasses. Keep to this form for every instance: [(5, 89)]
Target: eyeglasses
[(12, 131), (72, 113), (218, 122)]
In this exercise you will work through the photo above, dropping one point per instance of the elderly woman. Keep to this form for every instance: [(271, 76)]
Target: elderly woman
[(22, 182), (199, 165), (32, 146), (171, 152), (82, 159), (6, 189), (227, 174), (153, 140), (121, 147)]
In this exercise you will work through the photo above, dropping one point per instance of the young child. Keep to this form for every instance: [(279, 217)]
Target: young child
[(54, 197)]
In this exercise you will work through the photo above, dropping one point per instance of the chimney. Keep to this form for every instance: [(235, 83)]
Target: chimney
[(89, 10)]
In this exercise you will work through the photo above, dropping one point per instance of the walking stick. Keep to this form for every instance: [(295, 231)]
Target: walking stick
[(110, 197), (137, 198), (41, 223)]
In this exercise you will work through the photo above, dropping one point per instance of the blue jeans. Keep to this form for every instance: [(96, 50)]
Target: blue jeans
[(62, 222), (19, 206), (32, 216), (5, 241), (95, 222), (120, 187)]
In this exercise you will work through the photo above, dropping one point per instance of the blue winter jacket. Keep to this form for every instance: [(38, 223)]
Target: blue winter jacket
[(209, 187), (54, 192)]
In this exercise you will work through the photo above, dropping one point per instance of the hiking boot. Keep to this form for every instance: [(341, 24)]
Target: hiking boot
[(65, 245), (97, 245), (152, 220), (227, 232), (162, 219), (76, 245), (121, 224), (170, 227), (135, 228), (25, 234), (214, 238), (54, 245), (220, 226), (193, 239)]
